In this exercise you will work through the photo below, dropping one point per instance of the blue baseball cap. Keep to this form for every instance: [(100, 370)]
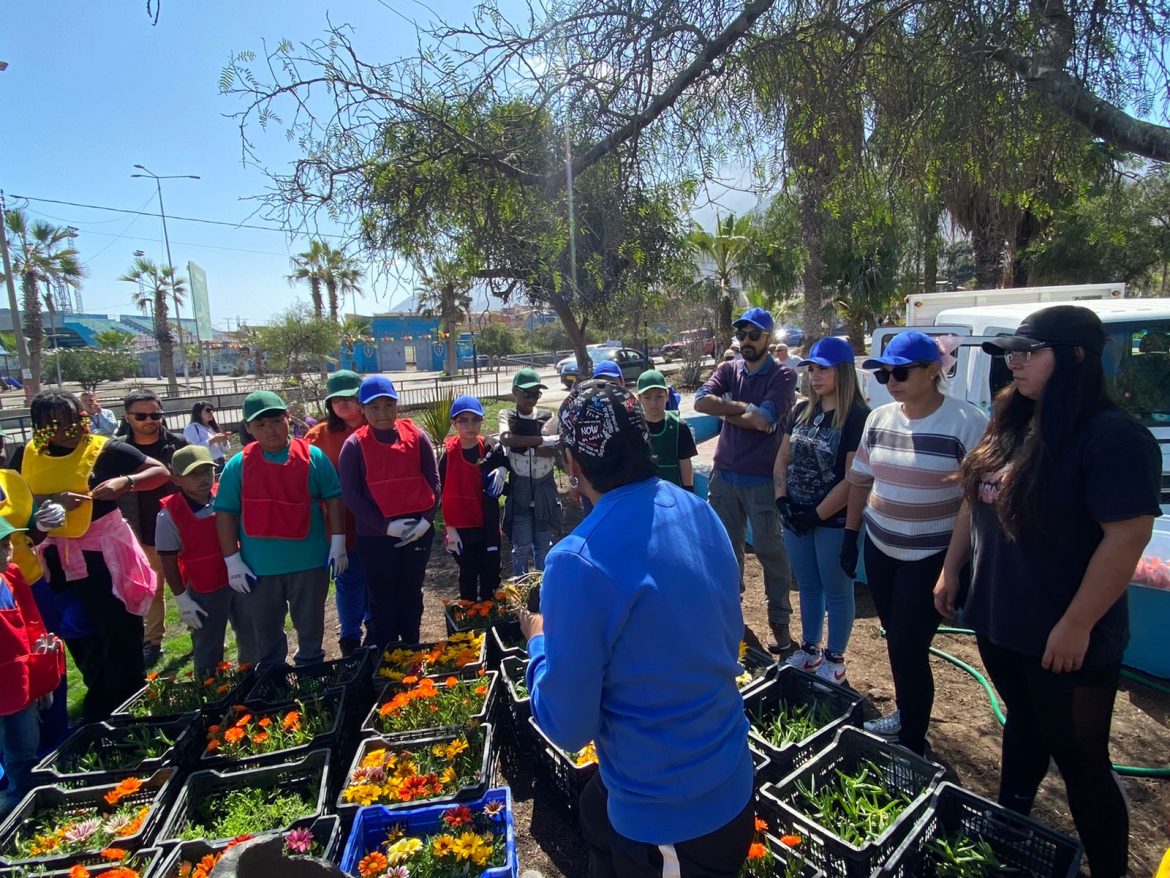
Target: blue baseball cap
[(607, 369), (905, 349), (757, 317), (463, 404), (376, 387), (828, 352)]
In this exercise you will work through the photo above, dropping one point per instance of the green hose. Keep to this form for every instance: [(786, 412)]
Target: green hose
[(1125, 770)]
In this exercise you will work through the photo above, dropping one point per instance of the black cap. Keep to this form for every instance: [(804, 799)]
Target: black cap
[(1058, 325)]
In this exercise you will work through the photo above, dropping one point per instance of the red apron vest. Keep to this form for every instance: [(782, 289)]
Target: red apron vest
[(27, 674), (394, 471), (275, 498), (463, 490), (200, 560)]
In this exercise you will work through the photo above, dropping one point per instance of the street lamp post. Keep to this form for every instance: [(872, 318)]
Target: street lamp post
[(166, 238)]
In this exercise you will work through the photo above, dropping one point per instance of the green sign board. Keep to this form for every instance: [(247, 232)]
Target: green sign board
[(200, 301)]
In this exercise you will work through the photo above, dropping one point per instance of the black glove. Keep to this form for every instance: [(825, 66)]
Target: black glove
[(785, 508), (848, 555), (804, 518)]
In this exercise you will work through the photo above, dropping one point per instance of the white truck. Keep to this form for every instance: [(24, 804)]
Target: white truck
[(1136, 358)]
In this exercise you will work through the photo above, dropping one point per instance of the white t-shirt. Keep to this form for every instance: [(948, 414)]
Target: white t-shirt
[(199, 434)]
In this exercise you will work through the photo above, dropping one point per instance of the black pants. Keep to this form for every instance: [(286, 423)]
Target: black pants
[(718, 854), (111, 660), (394, 580), (1064, 717), (903, 592), (479, 570)]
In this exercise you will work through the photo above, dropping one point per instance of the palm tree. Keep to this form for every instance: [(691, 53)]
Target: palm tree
[(311, 267), (112, 339), (154, 285), (40, 254), (445, 293), (728, 254), (341, 278)]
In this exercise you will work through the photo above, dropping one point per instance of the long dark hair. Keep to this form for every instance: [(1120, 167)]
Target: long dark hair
[(1033, 435), (50, 405), (197, 414), (336, 424)]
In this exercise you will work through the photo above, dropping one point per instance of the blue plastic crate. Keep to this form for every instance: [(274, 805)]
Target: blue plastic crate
[(371, 824)]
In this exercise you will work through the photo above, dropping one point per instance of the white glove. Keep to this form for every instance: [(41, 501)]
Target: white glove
[(495, 481), (338, 557), (549, 441), (399, 526), (45, 702), (50, 516), (421, 526), (452, 541), (189, 610), (239, 573)]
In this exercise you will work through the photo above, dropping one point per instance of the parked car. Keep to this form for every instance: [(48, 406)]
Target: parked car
[(793, 336), (631, 361), (688, 341)]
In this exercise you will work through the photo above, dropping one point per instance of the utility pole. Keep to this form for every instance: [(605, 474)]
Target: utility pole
[(13, 307)]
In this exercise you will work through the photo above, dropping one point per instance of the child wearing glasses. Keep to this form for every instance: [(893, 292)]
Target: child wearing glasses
[(904, 482), (472, 475), (533, 508)]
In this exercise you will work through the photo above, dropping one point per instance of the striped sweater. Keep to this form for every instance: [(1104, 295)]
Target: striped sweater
[(911, 466)]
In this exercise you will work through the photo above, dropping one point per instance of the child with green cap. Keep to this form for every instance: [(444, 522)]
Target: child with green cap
[(670, 436), (533, 508)]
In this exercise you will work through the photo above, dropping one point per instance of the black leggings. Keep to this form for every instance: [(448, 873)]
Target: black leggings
[(903, 592), (1065, 717)]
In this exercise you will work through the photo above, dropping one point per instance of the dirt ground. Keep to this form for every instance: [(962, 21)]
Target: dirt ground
[(964, 734)]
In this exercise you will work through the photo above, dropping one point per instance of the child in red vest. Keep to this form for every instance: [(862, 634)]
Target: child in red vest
[(193, 564), (472, 476), (32, 662)]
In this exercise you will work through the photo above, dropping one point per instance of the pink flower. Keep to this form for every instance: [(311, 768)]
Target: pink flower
[(80, 832), (299, 841), (494, 810), (397, 872)]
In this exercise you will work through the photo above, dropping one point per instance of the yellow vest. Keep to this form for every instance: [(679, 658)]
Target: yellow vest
[(16, 507), (46, 474)]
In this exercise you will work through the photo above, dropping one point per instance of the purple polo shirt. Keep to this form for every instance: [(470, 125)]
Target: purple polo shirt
[(751, 454)]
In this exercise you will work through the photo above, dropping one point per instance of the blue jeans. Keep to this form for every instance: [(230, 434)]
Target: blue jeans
[(530, 538), (19, 735), (823, 585), (353, 603)]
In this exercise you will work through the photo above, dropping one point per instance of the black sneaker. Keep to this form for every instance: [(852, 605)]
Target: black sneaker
[(782, 640), (151, 653), (349, 645)]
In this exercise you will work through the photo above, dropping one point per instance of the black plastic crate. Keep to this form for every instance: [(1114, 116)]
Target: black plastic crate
[(382, 672), (787, 857), (371, 726), (106, 738), (353, 673), (565, 776), (326, 833), (900, 770), (518, 709), (156, 791), (425, 739), (332, 700), (760, 665), (308, 775), (212, 708), (505, 640), (143, 861), (796, 688), (1019, 843)]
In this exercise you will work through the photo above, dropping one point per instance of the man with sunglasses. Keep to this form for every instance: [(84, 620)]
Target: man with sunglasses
[(533, 508), (753, 397), (145, 430)]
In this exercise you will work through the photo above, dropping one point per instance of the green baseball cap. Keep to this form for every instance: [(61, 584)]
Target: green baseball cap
[(527, 379), (342, 383), (650, 379), (7, 529), (262, 403), (189, 458)]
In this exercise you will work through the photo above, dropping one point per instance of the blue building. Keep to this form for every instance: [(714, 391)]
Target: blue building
[(400, 343)]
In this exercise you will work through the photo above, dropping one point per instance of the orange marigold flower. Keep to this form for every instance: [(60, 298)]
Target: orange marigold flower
[(212, 730), (121, 872), (233, 735), (213, 745), (451, 682), (125, 788), (410, 679), (292, 720), (243, 721), (265, 722), (79, 872), (152, 676), (260, 737), (114, 854), (761, 826), (209, 682), (223, 666), (223, 688), (756, 851), (790, 840), (373, 864), (481, 689)]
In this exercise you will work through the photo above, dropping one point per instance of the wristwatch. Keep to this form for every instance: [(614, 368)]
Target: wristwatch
[(130, 481)]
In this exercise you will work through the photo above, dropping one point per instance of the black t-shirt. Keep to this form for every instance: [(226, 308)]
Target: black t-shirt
[(818, 451), (116, 459), (1020, 589), (140, 508), (686, 439)]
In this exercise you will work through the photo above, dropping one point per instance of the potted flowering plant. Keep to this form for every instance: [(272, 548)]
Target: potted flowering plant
[(464, 615), (432, 703), (456, 653), (440, 841), (771, 857), (264, 735), (172, 695), (112, 862), (197, 859), (118, 748), (444, 767)]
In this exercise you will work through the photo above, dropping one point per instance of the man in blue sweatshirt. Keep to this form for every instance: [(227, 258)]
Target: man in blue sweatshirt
[(637, 650)]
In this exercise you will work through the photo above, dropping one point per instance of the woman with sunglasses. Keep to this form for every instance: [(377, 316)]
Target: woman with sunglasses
[(1062, 494), (903, 479), (203, 430), (811, 494)]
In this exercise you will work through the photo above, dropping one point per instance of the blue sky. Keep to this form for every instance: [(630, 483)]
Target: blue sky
[(92, 88)]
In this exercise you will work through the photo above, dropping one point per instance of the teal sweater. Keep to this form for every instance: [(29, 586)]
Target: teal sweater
[(642, 626)]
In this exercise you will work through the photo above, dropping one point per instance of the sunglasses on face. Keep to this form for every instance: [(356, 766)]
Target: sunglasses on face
[(753, 334), (529, 394), (898, 373), (1020, 358), (142, 416)]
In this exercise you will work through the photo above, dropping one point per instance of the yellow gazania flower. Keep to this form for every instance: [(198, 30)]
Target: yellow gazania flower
[(403, 850), (442, 846), (456, 747), (448, 775), (742, 650), (362, 793)]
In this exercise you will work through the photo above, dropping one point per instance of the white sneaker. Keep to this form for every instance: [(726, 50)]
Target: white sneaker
[(806, 659), (886, 726), (832, 671)]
